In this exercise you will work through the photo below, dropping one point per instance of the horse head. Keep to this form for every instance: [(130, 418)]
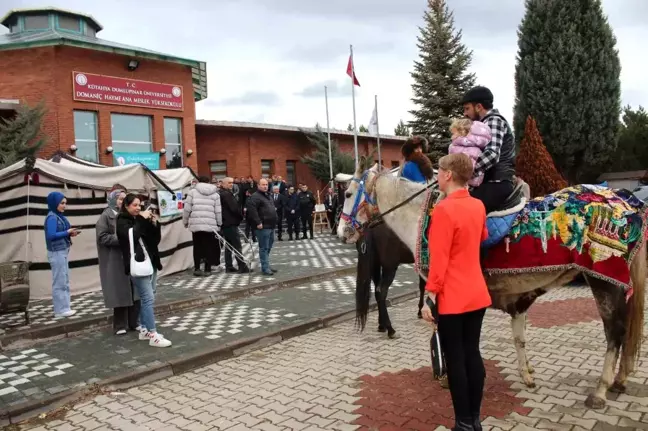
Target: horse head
[(359, 200)]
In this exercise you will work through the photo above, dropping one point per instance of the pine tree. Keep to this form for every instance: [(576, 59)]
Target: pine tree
[(350, 128), (21, 136), (567, 78), (535, 165), (363, 129), (318, 160), (401, 129), (632, 152), (440, 78)]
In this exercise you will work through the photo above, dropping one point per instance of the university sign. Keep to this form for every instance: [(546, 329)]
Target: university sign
[(88, 87)]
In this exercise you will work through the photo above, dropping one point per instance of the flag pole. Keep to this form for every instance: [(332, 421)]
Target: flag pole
[(328, 132), (355, 128), (377, 129)]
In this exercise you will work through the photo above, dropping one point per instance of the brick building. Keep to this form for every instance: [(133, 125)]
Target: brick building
[(102, 98), (238, 149)]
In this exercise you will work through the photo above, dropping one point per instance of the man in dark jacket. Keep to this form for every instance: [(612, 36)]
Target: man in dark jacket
[(232, 217), (262, 215), (330, 203), (279, 203), (306, 209), (291, 210)]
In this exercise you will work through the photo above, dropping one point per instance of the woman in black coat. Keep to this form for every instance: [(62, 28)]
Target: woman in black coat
[(146, 236)]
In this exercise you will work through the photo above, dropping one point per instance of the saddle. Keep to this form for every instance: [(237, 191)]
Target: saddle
[(499, 222)]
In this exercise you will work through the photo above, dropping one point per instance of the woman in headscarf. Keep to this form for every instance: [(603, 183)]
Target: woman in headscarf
[(115, 284), (58, 239), (417, 167)]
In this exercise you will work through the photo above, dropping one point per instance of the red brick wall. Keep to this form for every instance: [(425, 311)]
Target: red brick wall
[(243, 149), (46, 73)]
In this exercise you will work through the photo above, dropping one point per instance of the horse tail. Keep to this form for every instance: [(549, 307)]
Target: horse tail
[(364, 275), (635, 314)]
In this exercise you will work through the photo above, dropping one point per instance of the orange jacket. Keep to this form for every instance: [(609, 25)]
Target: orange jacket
[(458, 227)]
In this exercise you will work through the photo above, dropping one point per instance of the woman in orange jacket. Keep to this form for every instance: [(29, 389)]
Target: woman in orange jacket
[(456, 284)]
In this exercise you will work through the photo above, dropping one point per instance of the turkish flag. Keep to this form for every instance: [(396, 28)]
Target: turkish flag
[(351, 72)]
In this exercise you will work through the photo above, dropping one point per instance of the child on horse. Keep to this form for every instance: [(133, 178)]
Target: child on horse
[(470, 137)]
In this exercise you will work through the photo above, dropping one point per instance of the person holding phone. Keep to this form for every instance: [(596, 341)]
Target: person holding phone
[(58, 239)]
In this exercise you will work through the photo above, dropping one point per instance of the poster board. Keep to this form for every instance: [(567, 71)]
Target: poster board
[(320, 208), (168, 206)]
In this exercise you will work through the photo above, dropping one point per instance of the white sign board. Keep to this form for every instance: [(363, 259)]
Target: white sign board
[(169, 206)]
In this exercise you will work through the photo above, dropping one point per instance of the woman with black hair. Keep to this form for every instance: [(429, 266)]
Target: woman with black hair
[(139, 231)]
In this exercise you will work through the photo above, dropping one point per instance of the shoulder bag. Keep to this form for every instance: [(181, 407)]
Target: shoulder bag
[(139, 269)]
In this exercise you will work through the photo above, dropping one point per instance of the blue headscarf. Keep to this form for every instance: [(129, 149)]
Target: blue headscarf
[(112, 199), (53, 201)]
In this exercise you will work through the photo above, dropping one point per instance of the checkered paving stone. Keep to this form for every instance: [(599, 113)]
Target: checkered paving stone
[(319, 254), (18, 369), (346, 285), (231, 319), (327, 379)]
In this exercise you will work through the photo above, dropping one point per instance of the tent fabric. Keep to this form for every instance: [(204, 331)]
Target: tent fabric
[(24, 205)]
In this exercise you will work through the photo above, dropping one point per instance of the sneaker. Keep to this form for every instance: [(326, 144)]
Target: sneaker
[(198, 273), (274, 271), (268, 274), (144, 334), (68, 313), (121, 332), (158, 340)]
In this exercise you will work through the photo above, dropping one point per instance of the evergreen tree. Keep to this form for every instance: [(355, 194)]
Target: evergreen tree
[(440, 78), (535, 165), (632, 152), (350, 128), (363, 129), (20, 136), (401, 129), (567, 78), (318, 160)]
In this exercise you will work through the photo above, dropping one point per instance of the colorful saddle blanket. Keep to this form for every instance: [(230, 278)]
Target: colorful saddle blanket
[(590, 228)]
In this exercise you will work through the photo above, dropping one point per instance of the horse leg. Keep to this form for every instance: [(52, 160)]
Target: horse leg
[(610, 301), (421, 297), (386, 281)]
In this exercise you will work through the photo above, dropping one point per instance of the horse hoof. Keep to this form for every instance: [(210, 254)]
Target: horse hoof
[(529, 382), (420, 315), (393, 335), (530, 369), (617, 388), (594, 402), (381, 329)]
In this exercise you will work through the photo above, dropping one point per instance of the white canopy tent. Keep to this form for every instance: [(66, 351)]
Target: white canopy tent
[(24, 187)]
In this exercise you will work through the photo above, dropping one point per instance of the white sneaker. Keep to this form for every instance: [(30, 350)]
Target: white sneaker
[(145, 335), (158, 340), (68, 313), (121, 332)]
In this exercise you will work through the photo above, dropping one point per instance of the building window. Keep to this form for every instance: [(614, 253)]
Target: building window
[(36, 22), (173, 142), (89, 31), (291, 172), (266, 168), (395, 164), (69, 23), (86, 135), (131, 133), (218, 170)]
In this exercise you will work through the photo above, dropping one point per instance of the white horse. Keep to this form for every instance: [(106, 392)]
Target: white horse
[(512, 293)]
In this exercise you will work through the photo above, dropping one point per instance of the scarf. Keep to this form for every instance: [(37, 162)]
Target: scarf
[(53, 201), (112, 199)]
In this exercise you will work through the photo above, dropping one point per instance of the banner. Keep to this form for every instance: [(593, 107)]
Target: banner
[(88, 87), (150, 160), (169, 207)]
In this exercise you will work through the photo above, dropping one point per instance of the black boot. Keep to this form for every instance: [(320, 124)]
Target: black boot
[(476, 422), (463, 424)]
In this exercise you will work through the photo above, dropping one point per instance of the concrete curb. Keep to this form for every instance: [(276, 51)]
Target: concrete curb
[(29, 409), (68, 328)]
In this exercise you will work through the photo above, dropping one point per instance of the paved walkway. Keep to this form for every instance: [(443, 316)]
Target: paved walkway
[(293, 259), (339, 379)]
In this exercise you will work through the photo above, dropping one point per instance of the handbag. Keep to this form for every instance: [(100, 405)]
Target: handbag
[(139, 269), (438, 360)]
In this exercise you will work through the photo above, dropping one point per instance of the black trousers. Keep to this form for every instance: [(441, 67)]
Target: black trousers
[(293, 225), (126, 317), (460, 335), (249, 228), (231, 236), (280, 217), (307, 223), (493, 195), (330, 215), (206, 249)]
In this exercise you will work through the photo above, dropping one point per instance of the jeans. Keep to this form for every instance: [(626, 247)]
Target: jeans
[(266, 239), (460, 335), (145, 289), (60, 280)]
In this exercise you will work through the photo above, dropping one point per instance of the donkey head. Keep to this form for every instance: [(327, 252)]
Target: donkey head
[(359, 200)]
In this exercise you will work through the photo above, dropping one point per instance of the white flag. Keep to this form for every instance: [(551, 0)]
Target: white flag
[(373, 123)]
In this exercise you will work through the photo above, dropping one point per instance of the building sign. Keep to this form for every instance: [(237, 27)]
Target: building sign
[(88, 87), (150, 160)]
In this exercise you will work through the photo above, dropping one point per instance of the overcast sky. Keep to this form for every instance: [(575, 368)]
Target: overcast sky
[(268, 60)]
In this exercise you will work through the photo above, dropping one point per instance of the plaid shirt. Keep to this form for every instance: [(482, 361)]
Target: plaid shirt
[(491, 153)]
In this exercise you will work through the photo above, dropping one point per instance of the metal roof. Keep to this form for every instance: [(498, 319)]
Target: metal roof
[(277, 127), (52, 37), (48, 9)]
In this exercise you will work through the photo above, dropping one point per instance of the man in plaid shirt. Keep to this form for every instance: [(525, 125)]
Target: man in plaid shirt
[(497, 161)]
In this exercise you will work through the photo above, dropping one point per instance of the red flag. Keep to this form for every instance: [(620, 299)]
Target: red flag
[(351, 72)]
